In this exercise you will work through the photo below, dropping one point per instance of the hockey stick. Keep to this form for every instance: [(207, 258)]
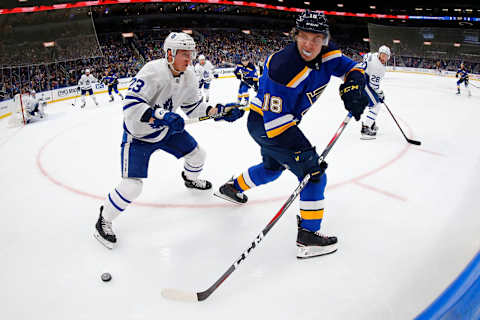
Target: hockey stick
[(473, 85), (415, 142), (214, 116), (175, 294)]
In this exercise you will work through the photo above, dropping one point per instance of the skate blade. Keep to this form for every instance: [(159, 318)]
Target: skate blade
[(106, 243), (222, 196), (367, 138), (317, 251)]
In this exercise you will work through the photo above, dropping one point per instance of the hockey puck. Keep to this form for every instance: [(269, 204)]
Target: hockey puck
[(106, 277)]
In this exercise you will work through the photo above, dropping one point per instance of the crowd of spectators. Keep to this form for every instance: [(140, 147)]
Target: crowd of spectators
[(223, 47)]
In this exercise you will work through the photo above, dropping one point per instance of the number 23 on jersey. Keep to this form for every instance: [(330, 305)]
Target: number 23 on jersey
[(136, 85)]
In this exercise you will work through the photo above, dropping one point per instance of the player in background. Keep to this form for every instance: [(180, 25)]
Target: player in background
[(111, 80), (34, 107), (293, 79), (151, 123), (462, 72), (374, 65), (247, 74), (85, 85), (205, 72)]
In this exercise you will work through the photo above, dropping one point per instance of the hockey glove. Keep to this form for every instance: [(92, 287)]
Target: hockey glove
[(215, 75), (309, 162), (353, 94), (173, 121), (381, 96), (232, 112)]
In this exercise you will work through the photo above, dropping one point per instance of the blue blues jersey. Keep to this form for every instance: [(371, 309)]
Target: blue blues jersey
[(289, 85), (463, 73), (111, 79), (248, 72)]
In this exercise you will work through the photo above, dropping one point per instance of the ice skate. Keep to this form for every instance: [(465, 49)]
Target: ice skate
[(104, 233), (230, 193), (196, 184), (111, 99), (368, 133), (313, 244)]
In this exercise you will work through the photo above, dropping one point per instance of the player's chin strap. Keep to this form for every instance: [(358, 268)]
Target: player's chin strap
[(172, 68)]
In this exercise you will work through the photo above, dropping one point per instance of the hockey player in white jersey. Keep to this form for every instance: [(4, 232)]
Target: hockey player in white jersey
[(151, 123), (374, 64), (85, 85), (205, 72), (34, 107)]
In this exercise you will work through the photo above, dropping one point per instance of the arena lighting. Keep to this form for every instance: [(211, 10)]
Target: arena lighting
[(458, 10), (306, 3), (469, 10), (187, 31), (396, 41), (49, 44), (446, 10), (418, 9), (286, 34), (373, 7), (427, 43), (340, 5), (127, 34), (366, 39), (246, 31), (280, 0), (456, 45)]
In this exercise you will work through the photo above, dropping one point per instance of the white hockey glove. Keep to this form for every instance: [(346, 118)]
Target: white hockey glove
[(381, 96)]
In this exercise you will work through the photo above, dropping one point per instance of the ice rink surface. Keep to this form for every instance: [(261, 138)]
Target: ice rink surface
[(407, 217)]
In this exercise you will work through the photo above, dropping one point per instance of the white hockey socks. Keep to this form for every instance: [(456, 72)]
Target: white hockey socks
[(372, 114), (194, 162), (119, 199), (94, 99)]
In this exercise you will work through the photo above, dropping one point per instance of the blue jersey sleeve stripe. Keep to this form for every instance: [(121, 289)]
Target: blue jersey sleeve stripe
[(131, 105)]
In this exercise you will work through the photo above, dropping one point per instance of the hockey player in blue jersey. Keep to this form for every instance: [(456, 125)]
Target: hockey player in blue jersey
[(111, 80), (462, 72), (293, 79), (247, 74)]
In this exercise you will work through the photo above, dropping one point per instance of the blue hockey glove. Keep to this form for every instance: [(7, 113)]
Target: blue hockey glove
[(173, 121), (353, 94), (215, 75), (232, 115)]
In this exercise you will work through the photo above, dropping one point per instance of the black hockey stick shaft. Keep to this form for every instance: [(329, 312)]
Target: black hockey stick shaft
[(205, 294), (411, 141), (214, 116)]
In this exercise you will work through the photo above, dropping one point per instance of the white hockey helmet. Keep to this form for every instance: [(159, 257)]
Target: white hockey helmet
[(32, 92), (87, 71), (179, 41), (201, 57), (386, 50)]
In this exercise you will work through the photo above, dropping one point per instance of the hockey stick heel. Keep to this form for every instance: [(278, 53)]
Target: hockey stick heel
[(175, 294)]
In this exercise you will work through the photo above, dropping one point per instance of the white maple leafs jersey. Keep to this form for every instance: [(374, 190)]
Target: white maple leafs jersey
[(374, 69), (154, 87), (30, 102), (85, 82), (204, 72)]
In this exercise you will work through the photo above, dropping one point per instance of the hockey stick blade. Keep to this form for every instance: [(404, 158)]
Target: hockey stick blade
[(174, 294), (415, 142)]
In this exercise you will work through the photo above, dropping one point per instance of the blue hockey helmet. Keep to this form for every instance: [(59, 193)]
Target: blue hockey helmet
[(314, 22)]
